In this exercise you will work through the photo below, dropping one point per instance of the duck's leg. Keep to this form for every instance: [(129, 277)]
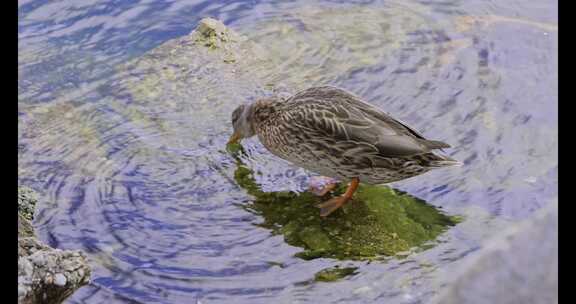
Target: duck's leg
[(334, 203)]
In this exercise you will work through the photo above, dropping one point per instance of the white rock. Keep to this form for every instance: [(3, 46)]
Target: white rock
[(59, 279)]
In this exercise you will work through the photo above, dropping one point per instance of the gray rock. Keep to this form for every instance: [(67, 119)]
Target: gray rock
[(27, 200), (519, 266), (213, 32), (24, 227), (45, 275)]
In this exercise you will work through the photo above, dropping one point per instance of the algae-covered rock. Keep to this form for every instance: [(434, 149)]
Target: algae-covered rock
[(213, 33), (379, 221), (334, 274)]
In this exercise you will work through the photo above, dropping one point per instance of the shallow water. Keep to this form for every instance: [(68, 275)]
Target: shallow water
[(136, 175)]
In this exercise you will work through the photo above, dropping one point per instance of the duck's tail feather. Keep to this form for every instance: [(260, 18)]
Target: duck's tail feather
[(434, 144), (444, 161)]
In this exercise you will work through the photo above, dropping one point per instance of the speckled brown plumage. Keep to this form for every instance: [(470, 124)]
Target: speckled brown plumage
[(332, 132)]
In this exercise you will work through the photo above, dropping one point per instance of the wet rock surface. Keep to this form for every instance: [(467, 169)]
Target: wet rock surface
[(45, 274), (518, 266), (334, 274)]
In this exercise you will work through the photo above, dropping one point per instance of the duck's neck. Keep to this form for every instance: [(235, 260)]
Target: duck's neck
[(265, 109)]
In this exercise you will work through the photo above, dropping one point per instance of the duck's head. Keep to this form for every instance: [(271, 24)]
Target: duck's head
[(242, 123)]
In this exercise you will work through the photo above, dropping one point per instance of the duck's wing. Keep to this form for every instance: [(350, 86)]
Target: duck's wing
[(340, 116)]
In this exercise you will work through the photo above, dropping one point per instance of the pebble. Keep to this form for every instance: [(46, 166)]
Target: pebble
[(59, 279)]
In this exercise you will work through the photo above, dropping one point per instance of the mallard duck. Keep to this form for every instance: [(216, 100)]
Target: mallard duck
[(332, 132)]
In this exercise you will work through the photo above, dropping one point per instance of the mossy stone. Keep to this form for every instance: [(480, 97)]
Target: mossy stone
[(378, 222), (334, 274)]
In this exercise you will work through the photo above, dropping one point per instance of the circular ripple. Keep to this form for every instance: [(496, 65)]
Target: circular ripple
[(133, 169)]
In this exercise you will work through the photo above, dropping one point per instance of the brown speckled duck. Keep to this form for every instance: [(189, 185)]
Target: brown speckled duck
[(332, 132)]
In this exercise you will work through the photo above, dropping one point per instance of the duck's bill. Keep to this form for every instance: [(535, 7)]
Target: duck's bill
[(235, 138)]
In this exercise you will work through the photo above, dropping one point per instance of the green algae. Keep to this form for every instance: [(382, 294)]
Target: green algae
[(334, 274), (378, 222)]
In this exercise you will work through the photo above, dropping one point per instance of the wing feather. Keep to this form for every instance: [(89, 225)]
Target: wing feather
[(335, 113)]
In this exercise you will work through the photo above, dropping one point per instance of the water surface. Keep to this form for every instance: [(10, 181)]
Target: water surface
[(136, 175)]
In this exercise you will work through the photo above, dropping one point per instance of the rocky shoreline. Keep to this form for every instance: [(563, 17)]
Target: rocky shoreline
[(45, 274)]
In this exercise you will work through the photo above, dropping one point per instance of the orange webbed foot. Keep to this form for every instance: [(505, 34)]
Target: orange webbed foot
[(331, 205)]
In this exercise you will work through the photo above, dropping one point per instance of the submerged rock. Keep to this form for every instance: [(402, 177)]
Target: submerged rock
[(45, 275), (379, 222), (518, 266), (212, 33), (334, 274)]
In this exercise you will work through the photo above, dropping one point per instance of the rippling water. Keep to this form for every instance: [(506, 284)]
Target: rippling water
[(132, 170)]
